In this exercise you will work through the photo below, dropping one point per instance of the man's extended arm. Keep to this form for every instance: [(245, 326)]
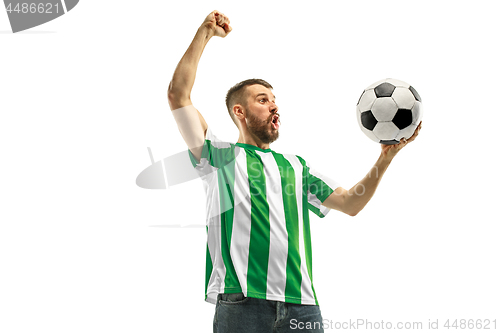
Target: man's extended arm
[(354, 200), (191, 123)]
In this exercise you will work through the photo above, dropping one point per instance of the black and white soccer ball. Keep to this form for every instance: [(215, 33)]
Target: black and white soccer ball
[(389, 110)]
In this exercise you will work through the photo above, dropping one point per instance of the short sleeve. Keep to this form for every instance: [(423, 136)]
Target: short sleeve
[(215, 154), (319, 187)]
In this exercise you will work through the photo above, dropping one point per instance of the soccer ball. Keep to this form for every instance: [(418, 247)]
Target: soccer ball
[(388, 111)]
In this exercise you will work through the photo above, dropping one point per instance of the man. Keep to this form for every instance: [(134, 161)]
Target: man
[(259, 270)]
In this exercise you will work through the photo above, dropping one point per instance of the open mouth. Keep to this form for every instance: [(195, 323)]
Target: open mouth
[(275, 122)]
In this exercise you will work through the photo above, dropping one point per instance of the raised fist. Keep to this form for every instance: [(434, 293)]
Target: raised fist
[(218, 23)]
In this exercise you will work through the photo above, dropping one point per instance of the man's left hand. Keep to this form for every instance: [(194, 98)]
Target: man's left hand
[(389, 151)]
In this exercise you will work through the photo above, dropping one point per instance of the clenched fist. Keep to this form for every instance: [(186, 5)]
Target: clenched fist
[(218, 23)]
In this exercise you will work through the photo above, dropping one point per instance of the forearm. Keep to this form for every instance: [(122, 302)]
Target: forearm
[(359, 195), (179, 90)]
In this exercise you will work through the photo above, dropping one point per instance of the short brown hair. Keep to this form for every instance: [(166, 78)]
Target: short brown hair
[(236, 95)]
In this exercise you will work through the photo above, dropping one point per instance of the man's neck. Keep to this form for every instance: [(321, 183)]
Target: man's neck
[(248, 139)]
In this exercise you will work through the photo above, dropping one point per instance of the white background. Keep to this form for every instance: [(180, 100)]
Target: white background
[(83, 249)]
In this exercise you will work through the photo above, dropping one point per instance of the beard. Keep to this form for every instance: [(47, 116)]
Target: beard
[(262, 129)]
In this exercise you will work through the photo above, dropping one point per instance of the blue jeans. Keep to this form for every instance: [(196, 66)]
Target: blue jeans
[(237, 313)]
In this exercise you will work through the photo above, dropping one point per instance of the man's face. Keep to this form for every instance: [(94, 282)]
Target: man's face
[(262, 117)]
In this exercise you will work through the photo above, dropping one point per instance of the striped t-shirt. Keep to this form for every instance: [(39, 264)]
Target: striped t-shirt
[(258, 235)]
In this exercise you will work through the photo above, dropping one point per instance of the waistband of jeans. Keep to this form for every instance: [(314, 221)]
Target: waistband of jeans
[(231, 297)]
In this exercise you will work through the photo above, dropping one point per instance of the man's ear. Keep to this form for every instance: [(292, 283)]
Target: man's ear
[(239, 112)]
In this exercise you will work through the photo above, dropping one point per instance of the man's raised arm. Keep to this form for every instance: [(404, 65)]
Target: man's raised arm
[(190, 122)]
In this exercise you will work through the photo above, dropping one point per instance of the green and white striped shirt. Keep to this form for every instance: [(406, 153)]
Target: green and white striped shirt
[(258, 235)]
